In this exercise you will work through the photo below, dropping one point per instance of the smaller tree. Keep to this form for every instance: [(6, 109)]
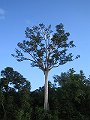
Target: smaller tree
[(14, 95), (45, 50), (73, 95), (13, 80)]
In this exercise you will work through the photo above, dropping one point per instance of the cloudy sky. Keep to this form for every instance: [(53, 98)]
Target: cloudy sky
[(16, 15)]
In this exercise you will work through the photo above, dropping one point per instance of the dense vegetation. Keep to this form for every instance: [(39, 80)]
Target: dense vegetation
[(69, 97)]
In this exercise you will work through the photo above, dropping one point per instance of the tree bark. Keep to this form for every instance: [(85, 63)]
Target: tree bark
[(46, 104), (4, 118)]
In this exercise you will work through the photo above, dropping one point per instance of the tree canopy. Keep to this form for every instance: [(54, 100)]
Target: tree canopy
[(45, 49), (13, 80), (70, 100)]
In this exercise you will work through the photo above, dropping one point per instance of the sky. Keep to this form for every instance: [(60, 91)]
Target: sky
[(16, 15)]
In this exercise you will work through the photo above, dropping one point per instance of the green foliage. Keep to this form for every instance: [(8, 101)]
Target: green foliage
[(12, 80), (69, 101), (72, 95), (14, 96), (45, 49), (45, 115)]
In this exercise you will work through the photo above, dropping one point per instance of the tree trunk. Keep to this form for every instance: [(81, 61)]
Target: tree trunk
[(4, 118), (46, 104)]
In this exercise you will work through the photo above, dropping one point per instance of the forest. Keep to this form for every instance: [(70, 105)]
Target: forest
[(69, 97)]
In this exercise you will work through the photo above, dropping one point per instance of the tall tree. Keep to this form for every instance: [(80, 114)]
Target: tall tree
[(45, 50)]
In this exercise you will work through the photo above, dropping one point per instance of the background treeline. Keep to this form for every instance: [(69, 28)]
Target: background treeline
[(69, 97)]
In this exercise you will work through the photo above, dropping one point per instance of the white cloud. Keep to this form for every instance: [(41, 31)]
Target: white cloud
[(2, 13)]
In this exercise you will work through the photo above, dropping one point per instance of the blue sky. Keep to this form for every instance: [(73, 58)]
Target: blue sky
[(16, 15)]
